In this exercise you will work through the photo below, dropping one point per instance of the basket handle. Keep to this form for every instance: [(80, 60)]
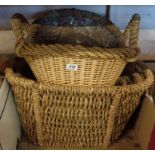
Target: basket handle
[(20, 27), (132, 31)]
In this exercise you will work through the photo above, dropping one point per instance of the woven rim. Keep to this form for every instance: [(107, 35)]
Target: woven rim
[(20, 25), (70, 51), (17, 79)]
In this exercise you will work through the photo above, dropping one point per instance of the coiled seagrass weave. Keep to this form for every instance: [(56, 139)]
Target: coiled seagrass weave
[(91, 65), (62, 116)]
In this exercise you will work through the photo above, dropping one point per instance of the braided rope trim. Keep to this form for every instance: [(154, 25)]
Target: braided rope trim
[(132, 30), (59, 50), (16, 79), (23, 49)]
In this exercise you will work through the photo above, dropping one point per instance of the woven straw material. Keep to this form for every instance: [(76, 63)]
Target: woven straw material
[(25, 107), (95, 66), (75, 116)]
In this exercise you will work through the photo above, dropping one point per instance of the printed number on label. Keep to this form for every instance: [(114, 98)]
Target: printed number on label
[(73, 67)]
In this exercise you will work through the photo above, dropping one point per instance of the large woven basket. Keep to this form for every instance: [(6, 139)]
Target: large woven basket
[(75, 116), (76, 65)]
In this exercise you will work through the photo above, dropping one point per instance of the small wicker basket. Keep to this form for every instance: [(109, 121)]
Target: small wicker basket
[(75, 116), (75, 65)]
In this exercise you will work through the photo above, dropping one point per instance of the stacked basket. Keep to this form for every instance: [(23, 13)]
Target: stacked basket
[(92, 65), (79, 107)]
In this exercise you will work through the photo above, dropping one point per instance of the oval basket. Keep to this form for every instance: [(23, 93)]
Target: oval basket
[(75, 65), (63, 116)]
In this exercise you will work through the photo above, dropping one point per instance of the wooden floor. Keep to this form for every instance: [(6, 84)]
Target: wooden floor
[(1, 81), (126, 142)]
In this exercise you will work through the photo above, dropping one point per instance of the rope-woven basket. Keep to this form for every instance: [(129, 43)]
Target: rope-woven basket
[(76, 65), (62, 116)]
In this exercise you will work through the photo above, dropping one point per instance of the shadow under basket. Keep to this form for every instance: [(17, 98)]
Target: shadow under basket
[(75, 65), (60, 116)]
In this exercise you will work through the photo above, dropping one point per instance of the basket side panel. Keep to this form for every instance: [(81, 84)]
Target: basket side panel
[(74, 120), (23, 98), (128, 104), (89, 72)]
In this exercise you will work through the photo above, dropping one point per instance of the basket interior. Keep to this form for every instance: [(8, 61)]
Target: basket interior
[(75, 27)]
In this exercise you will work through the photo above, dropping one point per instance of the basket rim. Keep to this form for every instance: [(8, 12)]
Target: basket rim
[(77, 51), (17, 79), (20, 26)]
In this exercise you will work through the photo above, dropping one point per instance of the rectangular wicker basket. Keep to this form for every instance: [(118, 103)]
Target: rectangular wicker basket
[(75, 65), (75, 116)]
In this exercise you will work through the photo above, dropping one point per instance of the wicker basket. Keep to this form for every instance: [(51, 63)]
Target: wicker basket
[(76, 65), (75, 116)]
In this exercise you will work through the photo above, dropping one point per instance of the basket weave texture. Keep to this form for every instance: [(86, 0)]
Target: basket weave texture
[(75, 116), (95, 66)]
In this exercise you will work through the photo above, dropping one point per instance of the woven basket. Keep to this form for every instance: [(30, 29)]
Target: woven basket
[(75, 65), (75, 116)]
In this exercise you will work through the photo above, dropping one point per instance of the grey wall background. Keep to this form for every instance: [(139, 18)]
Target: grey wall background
[(120, 15), (29, 11)]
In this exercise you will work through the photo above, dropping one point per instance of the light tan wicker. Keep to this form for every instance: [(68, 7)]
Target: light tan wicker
[(63, 116), (75, 65)]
